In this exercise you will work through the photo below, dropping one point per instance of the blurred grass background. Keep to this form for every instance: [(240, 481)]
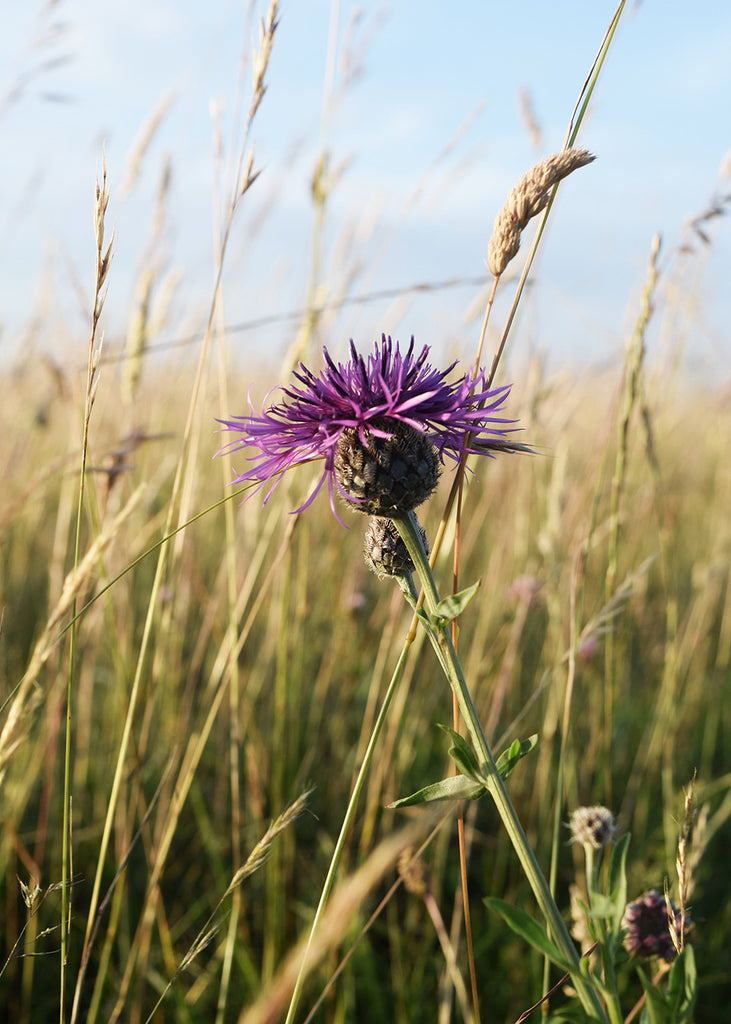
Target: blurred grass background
[(317, 639)]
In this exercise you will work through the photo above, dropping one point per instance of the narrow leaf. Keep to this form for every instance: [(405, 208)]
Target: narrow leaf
[(529, 929), (463, 755), (682, 986), (658, 1011), (618, 880), (456, 787), (574, 1014), (517, 750), (451, 607)]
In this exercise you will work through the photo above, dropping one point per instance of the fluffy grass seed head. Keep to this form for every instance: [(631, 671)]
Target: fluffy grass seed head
[(529, 197), (382, 425)]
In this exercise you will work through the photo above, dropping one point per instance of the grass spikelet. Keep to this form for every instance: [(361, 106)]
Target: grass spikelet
[(259, 854), (254, 861), (142, 143), (529, 197), (267, 28)]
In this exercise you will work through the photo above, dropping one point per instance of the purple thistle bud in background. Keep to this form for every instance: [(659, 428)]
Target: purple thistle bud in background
[(382, 425), (647, 924)]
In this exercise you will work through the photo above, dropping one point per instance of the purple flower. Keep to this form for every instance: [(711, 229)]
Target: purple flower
[(648, 926), (370, 398)]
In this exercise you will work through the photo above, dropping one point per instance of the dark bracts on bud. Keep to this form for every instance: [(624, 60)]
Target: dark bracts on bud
[(388, 475), (384, 550), (648, 927)]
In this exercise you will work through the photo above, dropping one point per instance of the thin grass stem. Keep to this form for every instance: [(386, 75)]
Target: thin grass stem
[(347, 822)]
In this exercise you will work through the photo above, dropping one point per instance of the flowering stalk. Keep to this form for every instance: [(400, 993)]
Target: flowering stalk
[(382, 427), (408, 528)]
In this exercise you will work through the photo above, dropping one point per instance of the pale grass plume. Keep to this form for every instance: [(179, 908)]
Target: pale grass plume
[(267, 28), (103, 256), (137, 336), (529, 197), (142, 143), (684, 868), (259, 854)]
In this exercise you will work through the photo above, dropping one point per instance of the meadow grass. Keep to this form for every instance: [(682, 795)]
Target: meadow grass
[(229, 662), (315, 642)]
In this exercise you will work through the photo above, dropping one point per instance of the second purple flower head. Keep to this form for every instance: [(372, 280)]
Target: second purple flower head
[(382, 426)]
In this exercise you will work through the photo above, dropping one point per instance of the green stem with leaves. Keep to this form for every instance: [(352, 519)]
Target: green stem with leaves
[(407, 526)]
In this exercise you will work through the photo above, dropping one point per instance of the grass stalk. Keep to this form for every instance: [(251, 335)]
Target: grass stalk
[(103, 259), (345, 827), (245, 178), (632, 383)]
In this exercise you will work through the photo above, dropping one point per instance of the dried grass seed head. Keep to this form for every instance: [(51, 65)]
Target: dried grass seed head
[(529, 197)]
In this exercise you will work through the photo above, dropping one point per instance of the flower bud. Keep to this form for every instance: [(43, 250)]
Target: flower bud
[(592, 826), (648, 927), (384, 550)]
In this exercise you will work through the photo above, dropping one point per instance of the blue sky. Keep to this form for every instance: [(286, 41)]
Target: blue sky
[(427, 135)]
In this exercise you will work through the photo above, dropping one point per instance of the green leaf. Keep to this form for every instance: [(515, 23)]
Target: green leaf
[(529, 929), (451, 607), (517, 750), (617, 882), (658, 1011), (603, 906), (456, 787), (463, 755), (573, 1013), (682, 986), (421, 614)]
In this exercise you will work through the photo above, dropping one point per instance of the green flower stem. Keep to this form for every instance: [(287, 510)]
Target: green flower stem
[(605, 937), (408, 529)]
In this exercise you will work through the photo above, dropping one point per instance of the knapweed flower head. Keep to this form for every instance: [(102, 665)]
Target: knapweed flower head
[(382, 425), (647, 926), (592, 826)]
